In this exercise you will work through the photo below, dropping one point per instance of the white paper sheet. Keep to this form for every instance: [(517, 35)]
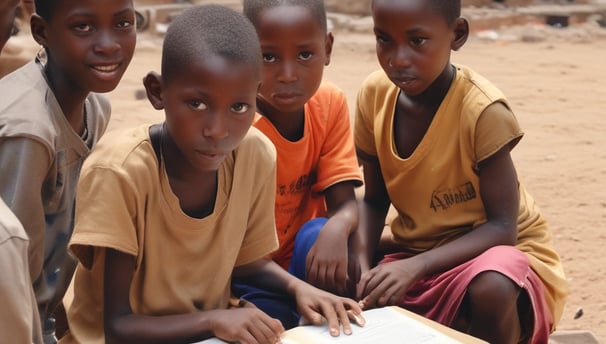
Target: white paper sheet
[(383, 325)]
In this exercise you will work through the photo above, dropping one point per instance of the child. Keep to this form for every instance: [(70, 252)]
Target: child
[(434, 140), (317, 169), (19, 320), (49, 122), (166, 212)]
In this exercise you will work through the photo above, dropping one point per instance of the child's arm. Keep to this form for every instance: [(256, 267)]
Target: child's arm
[(373, 210), (387, 283), (314, 304), (246, 325), (327, 262)]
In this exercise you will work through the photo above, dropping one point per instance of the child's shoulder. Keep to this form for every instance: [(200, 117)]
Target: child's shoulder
[(24, 111), (23, 90), (327, 92), (122, 149), (476, 85), (256, 146), (376, 82)]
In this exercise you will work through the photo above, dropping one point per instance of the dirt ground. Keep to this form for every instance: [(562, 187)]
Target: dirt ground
[(554, 80)]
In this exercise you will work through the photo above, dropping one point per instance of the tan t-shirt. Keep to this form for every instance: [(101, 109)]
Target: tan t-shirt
[(183, 264), (19, 320), (436, 190)]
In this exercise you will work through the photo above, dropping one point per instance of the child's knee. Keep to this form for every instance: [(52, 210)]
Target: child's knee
[(493, 290)]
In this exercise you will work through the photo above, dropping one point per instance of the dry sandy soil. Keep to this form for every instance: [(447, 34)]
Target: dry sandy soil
[(555, 82)]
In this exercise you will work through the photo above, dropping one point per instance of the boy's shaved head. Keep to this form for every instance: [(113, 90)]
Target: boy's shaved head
[(450, 9), (210, 30), (252, 8)]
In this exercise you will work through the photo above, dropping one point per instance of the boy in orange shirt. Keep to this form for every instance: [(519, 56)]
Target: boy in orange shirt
[(308, 122)]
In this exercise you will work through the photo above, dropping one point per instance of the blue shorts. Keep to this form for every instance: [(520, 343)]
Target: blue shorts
[(282, 306)]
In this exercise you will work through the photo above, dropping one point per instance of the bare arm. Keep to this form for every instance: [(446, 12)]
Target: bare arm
[(327, 262), (373, 211), (245, 325)]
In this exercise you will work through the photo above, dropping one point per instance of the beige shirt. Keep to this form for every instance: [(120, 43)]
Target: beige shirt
[(436, 190), (183, 264), (19, 320), (41, 156)]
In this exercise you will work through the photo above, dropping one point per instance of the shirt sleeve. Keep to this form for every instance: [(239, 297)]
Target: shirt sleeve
[(106, 208), (496, 128), (364, 123), (25, 163), (338, 161), (261, 238)]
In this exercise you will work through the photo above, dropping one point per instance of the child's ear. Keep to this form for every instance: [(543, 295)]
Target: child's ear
[(38, 28), (328, 47), (153, 87), (461, 30)]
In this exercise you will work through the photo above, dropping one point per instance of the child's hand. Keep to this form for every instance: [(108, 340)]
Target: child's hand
[(327, 263), (246, 325), (315, 305), (386, 284)]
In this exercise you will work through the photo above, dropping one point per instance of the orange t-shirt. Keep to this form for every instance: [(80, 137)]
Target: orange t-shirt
[(323, 157)]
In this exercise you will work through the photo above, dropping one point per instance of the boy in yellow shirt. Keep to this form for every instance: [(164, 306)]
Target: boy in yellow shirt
[(434, 140)]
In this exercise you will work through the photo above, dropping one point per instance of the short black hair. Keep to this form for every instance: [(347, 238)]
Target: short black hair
[(44, 8), (252, 9), (209, 30), (449, 9)]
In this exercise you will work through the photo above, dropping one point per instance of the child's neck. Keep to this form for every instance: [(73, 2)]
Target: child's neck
[(70, 98), (196, 190), (291, 126), (433, 96)]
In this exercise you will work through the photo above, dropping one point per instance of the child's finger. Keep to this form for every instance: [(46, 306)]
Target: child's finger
[(356, 317), (333, 319)]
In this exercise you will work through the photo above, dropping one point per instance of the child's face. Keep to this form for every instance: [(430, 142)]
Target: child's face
[(209, 108), (295, 50), (91, 42), (8, 10), (413, 43)]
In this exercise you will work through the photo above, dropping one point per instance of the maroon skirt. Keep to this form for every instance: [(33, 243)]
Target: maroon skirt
[(439, 297)]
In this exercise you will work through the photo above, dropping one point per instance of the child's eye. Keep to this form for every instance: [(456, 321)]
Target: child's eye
[(306, 55), (125, 24), (418, 41), (381, 39), (197, 105), (269, 58), (83, 27), (240, 108)]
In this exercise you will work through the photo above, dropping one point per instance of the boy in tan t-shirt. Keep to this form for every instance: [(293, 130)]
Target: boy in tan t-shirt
[(167, 212)]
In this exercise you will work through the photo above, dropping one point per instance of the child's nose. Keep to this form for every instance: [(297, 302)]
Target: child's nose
[(215, 126), (288, 72), (401, 58), (106, 43)]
